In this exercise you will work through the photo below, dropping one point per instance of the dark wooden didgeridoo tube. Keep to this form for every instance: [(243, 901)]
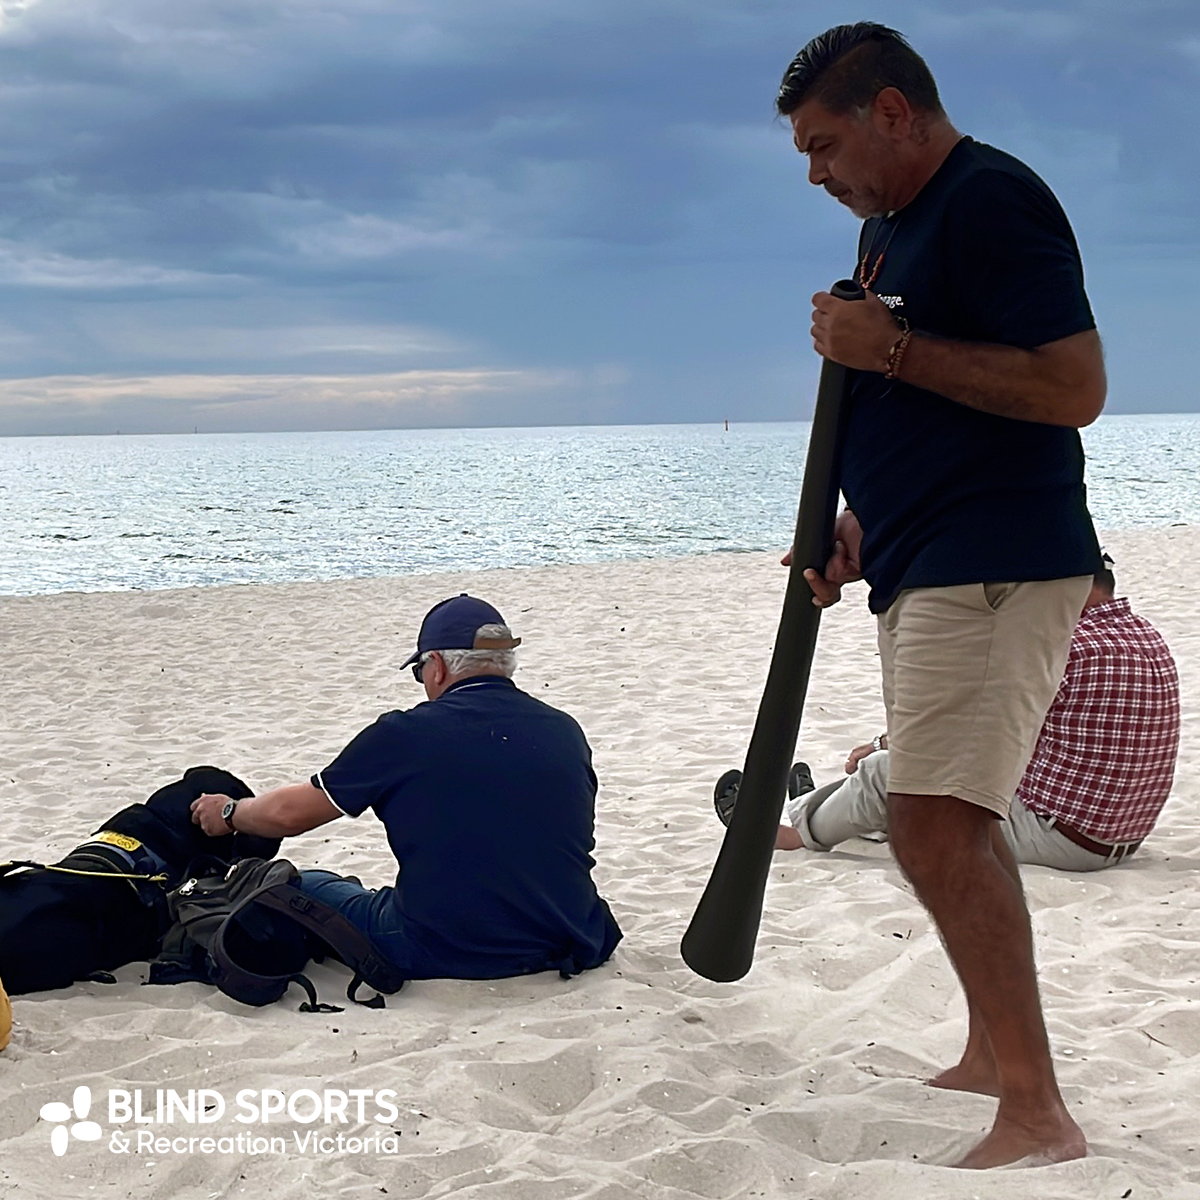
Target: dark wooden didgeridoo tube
[(719, 943)]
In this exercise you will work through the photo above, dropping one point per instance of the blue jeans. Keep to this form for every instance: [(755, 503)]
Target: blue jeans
[(371, 911)]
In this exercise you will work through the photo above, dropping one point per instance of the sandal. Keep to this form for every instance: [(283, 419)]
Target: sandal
[(800, 780), (725, 795)]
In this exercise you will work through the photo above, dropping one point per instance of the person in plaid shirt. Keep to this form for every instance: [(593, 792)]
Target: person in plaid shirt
[(1100, 774)]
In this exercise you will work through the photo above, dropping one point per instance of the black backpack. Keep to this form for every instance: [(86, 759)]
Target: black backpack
[(251, 931)]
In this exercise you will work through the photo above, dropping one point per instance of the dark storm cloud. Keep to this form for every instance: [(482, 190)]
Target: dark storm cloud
[(562, 193)]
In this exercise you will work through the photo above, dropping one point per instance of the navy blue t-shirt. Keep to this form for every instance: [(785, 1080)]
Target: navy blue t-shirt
[(946, 494), (488, 799)]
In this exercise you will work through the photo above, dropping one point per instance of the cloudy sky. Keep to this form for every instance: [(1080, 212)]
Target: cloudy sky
[(324, 214)]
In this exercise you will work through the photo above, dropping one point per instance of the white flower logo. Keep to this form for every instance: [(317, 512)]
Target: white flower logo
[(57, 1111)]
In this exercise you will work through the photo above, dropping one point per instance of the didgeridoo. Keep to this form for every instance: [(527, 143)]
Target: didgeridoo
[(719, 942)]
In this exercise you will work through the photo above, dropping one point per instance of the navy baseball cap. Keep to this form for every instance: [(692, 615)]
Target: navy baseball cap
[(454, 624)]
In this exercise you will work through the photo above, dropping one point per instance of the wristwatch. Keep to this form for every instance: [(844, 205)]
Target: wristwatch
[(227, 811), (877, 741)]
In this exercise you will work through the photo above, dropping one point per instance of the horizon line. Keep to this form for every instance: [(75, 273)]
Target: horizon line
[(729, 422)]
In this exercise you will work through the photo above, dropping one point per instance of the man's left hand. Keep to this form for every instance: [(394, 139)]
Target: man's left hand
[(855, 333), (206, 812)]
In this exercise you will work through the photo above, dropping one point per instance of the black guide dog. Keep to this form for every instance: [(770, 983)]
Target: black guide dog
[(58, 926)]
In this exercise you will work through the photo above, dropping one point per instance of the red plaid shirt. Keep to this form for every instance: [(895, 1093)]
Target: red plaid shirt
[(1105, 757)]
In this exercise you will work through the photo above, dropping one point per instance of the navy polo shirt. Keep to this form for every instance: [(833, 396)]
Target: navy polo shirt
[(946, 494), (488, 799)]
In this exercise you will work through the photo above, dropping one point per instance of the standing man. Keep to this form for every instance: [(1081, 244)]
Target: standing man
[(975, 361)]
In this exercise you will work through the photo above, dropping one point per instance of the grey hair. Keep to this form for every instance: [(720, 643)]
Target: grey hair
[(467, 662)]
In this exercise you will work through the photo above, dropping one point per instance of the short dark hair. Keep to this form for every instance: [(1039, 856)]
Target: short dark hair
[(847, 66)]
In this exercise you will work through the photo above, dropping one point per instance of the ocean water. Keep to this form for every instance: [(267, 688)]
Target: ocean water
[(153, 511)]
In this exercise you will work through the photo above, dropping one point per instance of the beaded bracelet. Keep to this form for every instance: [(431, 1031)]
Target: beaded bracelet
[(896, 353)]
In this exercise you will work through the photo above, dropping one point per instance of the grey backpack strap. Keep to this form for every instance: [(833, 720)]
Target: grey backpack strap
[(347, 941)]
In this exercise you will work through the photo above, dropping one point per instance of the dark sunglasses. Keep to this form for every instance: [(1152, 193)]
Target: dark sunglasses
[(417, 668)]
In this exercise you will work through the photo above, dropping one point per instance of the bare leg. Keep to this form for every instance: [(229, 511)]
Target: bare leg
[(786, 838), (976, 1070), (945, 847)]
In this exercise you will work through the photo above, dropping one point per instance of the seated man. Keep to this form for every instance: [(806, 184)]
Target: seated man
[(1099, 776), (487, 797)]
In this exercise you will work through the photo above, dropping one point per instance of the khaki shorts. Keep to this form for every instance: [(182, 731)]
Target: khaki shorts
[(968, 674)]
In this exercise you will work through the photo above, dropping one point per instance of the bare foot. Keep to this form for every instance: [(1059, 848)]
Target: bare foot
[(978, 1077), (1056, 1139)]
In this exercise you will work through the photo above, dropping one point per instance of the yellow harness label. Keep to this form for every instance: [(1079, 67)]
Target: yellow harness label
[(117, 839)]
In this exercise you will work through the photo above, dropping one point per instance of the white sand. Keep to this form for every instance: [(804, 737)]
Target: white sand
[(639, 1079)]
